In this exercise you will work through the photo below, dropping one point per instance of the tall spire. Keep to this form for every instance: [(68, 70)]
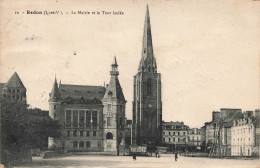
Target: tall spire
[(114, 70), (148, 62), (55, 94)]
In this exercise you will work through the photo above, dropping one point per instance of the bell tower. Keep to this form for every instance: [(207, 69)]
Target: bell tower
[(114, 113), (147, 104)]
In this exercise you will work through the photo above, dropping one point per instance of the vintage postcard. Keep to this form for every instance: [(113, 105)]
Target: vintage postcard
[(172, 83)]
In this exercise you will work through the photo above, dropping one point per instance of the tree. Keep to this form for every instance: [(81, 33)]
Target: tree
[(23, 128)]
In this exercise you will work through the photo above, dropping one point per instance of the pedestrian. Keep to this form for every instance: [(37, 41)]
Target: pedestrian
[(156, 154), (134, 156), (176, 156)]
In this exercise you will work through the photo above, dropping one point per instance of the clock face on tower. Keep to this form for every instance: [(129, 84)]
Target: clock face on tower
[(150, 106)]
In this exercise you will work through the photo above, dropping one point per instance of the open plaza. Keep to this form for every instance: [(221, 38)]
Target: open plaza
[(165, 161)]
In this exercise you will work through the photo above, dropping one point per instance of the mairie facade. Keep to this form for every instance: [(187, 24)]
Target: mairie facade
[(93, 117)]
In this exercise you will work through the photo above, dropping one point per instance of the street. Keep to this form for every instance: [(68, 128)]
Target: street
[(165, 160)]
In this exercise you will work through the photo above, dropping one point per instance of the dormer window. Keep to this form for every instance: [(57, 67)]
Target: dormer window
[(110, 94), (82, 100)]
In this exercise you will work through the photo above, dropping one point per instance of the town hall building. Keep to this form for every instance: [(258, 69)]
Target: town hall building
[(93, 117)]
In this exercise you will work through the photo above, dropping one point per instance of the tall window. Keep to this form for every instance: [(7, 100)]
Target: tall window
[(81, 118), (68, 133), (81, 144), (109, 121), (109, 107), (81, 133), (75, 118), (75, 144), (94, 133), (68, 118), (87, 133), (94, 118), (149, 86), (137, 86), (88, 144), (99, 143), (74, 133), (88, 118)]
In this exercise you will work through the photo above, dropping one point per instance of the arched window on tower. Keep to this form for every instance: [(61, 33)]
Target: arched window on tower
[(109, 135), (149, 86), (110, 94)]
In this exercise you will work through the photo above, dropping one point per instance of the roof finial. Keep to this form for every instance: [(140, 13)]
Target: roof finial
[(114, 70), (115, 62)]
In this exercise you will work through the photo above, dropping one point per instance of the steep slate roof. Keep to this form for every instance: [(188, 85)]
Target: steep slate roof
[(55, 94), (14, 81), (114, 87), (79, 91)]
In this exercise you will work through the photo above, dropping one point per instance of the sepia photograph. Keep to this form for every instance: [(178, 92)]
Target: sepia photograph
[(120, 84)]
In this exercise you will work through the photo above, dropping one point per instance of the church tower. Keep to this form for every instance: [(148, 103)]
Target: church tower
[(147, 104), (114, 113), (54, 108)]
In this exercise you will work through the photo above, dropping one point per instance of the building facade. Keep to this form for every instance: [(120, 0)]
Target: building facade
[(93, 116), (14, 89), (195, 138), (147, 104), (243, 137), (175, 135)]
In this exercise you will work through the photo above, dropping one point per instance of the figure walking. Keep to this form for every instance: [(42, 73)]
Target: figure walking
[(176, 156), (134, 156)]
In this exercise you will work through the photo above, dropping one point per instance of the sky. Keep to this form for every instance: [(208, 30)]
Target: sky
[(206, 51)]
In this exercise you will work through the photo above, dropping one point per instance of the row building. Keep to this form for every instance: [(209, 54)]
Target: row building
[(232, 133)]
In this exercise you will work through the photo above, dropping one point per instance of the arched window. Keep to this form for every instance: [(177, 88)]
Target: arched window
[(149, 86), (110, 94), (109, 135)]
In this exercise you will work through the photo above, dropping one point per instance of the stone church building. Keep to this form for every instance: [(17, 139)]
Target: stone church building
[(93, 116), (147, 103)]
